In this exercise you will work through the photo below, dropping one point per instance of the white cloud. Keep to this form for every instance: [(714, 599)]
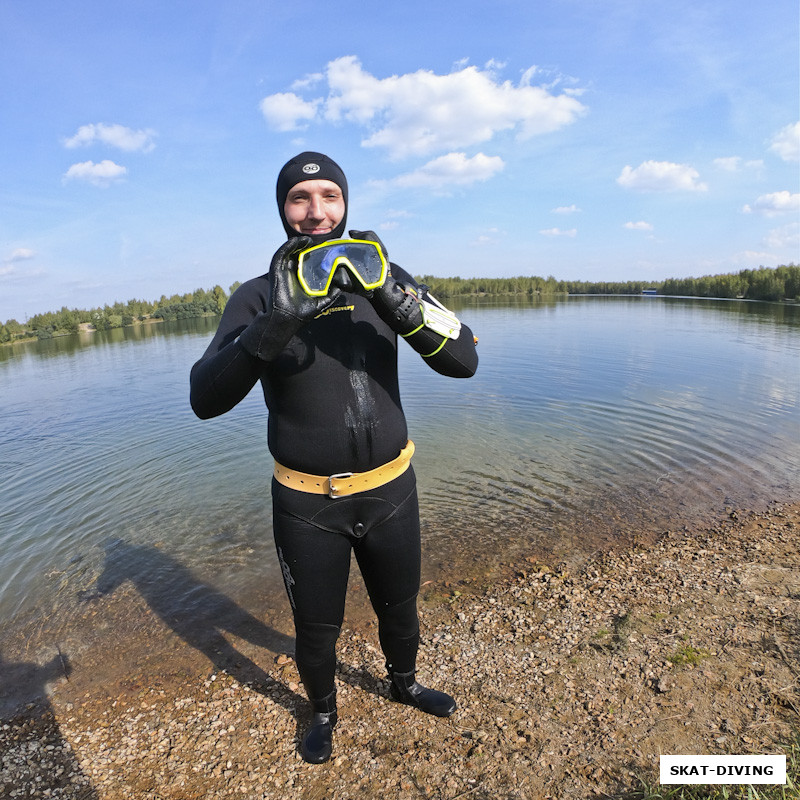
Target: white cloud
[(393, 219), (754, 257), (451, 170), (573, 209), (421, 113), (550, 79), (490, 236), (784, 237), (572, 232), (786, 143), (20, 254), (113, 135), (661, 176), (8, 266), (735, 163), (102, 174), (306, 83), (638, 226), (729, 164), (773, 204), (286, 111)]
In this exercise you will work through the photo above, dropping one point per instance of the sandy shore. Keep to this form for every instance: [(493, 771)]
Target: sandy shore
[(569, 685)]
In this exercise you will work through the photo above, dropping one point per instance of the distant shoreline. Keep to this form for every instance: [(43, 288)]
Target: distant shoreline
[(768, 284), (85, 327), (88, 327)]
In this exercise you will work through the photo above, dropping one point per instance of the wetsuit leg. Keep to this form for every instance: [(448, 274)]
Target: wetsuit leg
[(314, 537), (316, 566), (389, 560)]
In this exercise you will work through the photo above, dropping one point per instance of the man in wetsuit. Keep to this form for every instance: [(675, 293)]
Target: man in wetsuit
[(328, 369)]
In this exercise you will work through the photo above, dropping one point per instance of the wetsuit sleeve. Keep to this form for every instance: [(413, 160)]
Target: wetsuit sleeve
[(456, 358), (226, 372)]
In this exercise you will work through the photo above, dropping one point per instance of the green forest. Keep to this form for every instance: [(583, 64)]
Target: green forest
[(770, 284), (199, 303)]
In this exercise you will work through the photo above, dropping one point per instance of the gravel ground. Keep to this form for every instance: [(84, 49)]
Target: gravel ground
[(569, 685)]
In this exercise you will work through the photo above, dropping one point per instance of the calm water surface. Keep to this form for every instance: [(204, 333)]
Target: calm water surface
[(590, 420)]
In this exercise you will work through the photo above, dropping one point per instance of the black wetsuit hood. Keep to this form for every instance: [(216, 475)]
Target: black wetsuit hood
[(310, 166)]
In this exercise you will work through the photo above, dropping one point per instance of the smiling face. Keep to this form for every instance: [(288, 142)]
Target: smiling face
[(314, 207)]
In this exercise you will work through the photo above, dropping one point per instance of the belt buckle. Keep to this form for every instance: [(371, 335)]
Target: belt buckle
[(331, 478)]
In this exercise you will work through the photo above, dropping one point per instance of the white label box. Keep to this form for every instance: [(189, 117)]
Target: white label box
[(722, 769)]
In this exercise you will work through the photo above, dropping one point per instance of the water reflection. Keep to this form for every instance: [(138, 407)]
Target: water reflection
[(71, 344)]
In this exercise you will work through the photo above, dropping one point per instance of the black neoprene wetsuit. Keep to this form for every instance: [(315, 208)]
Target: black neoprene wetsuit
[(334, 406)]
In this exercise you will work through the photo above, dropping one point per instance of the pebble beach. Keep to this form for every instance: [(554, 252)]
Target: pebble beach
[(571, 681)]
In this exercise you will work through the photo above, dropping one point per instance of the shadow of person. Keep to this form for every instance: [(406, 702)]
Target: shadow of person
[(36, 757), (196, 612), (360, 678)]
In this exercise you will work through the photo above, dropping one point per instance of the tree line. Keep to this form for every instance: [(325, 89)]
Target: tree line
[(774, 283), (764, 283), (199, 303)]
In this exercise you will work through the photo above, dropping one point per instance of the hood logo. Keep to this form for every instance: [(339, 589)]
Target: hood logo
[(310, 169)]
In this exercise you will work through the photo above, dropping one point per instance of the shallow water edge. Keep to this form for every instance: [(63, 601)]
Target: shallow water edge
[(569, 682)]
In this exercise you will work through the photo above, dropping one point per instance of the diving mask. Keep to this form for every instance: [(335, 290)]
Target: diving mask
[(316, 265)]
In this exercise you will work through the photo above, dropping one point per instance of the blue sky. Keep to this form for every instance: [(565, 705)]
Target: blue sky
[(588, 140)]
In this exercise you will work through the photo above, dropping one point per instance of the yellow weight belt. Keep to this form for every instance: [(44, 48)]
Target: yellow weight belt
[(345, 483)]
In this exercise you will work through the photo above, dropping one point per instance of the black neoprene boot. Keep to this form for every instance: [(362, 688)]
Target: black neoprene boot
[(317, 741), (405, 689)]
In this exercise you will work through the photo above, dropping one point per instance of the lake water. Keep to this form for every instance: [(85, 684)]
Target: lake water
[(591, 420)]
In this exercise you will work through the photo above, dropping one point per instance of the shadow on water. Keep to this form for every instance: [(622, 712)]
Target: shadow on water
[(72, 343), (196, 612), (199, 614), (35, 754)]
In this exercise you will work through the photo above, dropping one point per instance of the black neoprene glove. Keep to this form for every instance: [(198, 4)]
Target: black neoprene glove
[(398, 308), (370, 236), (289, 306)]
